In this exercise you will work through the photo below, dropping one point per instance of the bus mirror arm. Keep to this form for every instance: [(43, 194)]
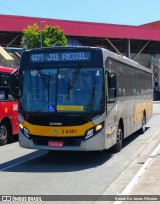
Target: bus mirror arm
[(111, 100)]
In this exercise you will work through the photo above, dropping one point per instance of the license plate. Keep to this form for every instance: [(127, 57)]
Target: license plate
[(55, 143)]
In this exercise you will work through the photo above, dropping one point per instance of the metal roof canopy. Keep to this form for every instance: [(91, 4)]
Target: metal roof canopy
[(118, 38), (77, 28)]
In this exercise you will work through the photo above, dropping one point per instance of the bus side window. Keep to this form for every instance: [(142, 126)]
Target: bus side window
[(15, 86), (2, 95), (112, 85)]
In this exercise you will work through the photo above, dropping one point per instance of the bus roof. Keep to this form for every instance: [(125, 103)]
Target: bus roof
[(126, 60), (7, 69)]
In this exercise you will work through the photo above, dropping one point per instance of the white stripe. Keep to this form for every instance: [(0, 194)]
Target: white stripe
[(134, 181)]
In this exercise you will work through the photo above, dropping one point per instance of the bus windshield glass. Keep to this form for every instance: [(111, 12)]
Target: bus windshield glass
[(63, 90)]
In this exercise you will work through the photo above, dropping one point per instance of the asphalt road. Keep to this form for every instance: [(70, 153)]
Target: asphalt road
[(36, 172)]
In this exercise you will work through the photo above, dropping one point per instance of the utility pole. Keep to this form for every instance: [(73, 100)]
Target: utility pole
[(40, 23)]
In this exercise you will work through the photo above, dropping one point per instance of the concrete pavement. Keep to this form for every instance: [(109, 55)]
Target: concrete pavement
[(148, 182), (145, 186), (142, 185)]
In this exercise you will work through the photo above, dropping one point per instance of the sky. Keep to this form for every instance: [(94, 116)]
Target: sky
[(124, 12)]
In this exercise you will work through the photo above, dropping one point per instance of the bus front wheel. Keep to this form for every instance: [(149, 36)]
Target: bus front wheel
[(4, 133), (118, 146)]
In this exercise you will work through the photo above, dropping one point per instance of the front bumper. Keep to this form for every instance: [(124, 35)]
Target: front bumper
[(96, 142)]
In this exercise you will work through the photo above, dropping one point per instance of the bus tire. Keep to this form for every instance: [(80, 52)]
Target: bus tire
[(143, 128), (118, 146), (4, 133)]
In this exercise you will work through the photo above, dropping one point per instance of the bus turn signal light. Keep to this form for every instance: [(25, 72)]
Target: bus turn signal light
[(99, 127)]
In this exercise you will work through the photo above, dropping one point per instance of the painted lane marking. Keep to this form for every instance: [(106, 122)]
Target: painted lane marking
[(134, 180)]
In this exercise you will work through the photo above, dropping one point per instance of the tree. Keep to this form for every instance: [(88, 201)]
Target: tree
[(33, 37)]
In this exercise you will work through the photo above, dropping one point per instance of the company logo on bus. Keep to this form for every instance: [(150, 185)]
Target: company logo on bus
[(57, 124), (55, 132)]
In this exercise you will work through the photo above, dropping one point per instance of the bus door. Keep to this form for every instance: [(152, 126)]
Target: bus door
[(111, 108)]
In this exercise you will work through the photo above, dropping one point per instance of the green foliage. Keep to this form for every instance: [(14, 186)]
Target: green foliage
[(50, 36), (53, 36)]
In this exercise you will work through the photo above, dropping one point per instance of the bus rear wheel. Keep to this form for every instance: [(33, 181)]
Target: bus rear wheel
[(143, 128), (4, 133)]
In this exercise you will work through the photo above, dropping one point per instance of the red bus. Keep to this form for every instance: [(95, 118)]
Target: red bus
[(8, 107)]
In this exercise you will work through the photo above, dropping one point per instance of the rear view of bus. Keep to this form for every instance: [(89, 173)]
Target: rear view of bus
[(8, 107)]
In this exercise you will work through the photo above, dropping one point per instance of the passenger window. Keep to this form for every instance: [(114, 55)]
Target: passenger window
[(2, 95)]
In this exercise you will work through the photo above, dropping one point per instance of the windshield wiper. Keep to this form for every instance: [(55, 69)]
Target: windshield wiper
[(46, 82), (73, 80)]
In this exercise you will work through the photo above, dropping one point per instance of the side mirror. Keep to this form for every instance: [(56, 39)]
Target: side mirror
[(112, 85)]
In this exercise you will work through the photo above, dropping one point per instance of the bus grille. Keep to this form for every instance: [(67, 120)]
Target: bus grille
[(67, 141), (56, 120)]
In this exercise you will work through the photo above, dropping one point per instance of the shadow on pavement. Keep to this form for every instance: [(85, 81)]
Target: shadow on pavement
[(43, 161), (61, 161)]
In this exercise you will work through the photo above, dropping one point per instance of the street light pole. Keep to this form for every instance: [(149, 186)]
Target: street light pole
[(40, 23)]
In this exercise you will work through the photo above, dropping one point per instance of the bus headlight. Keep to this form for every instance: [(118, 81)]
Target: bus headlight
[(89, 133), (24, 129), (94, 130), (99, 127)]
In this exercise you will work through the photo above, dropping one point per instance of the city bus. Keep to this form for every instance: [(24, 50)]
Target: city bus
[(8, 106), (81, 99)]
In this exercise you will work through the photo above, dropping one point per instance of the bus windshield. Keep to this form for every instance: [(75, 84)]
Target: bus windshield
[(62, 90)]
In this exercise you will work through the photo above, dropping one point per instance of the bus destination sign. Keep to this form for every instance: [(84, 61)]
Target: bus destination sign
[(60, 57)]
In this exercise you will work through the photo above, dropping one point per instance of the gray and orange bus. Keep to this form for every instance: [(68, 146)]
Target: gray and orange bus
[(81, 99)]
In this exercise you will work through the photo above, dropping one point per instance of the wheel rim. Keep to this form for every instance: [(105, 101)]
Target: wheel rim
[(143, 124), (3, 133), (119, 137)]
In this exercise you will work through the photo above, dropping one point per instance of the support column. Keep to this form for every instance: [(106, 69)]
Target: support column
[(128, 49)]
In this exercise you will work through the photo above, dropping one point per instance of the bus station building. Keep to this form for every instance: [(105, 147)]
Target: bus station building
[(139, 43)]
